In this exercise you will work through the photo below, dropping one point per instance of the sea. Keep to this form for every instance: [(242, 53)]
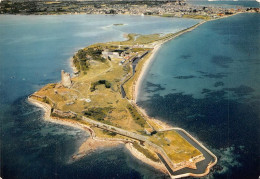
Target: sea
[(205, 81), (33, 51)]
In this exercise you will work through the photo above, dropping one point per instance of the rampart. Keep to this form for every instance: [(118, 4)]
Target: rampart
[(67, 114)]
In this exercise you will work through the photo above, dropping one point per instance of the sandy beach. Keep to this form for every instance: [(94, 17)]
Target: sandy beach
[(145, 67)]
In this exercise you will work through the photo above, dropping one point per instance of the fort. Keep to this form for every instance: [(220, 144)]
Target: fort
[(111, 112)]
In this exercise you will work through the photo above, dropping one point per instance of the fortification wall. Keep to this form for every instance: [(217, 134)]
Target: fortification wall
[(68, 114)]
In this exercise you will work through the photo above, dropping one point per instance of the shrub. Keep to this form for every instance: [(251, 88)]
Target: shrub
[(100, 82), (98, 114), (136, 116), (109, 133)]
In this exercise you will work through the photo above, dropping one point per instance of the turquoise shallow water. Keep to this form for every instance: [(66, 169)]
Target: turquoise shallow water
[(33, 50), (207, 82)]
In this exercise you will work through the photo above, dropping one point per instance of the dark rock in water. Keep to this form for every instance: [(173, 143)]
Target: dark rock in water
[(222, 61), (217, 168), (219, 83), (216, 95), (213, 75), (184, 77), (241, 90), (205, 91), (185, 56), (151, 87)]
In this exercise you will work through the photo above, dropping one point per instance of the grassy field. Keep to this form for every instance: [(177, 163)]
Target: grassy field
[(192, 16), (168, 15), (135, 39), (204, 17), (176, 147)]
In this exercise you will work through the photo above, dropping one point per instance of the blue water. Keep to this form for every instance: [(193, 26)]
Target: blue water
[(226, 4), (33, 50), (207, 82)]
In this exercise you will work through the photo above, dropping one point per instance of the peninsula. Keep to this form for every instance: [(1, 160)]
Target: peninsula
[(101, 99)]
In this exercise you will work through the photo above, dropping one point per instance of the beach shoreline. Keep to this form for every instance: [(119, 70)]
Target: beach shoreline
[(148, 61), (145, 67)]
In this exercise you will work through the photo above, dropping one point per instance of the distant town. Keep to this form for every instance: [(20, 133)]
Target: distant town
[(158, 8)]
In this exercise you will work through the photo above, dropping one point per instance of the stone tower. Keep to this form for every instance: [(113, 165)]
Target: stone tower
[(65, 79)]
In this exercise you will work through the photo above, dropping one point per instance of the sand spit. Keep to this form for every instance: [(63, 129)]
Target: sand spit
[(91, 145)]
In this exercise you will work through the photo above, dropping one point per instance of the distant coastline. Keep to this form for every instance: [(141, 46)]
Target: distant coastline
[(160, 8)]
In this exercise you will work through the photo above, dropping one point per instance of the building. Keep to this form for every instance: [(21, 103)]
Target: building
[(112, 54)]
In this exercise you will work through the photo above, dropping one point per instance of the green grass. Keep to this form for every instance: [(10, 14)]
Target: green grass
[(204, 17), (168, 15), (136, 116), (109, 133), (134, 39), (100, 82), (118, 24), (82, 57), (175, 146)]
